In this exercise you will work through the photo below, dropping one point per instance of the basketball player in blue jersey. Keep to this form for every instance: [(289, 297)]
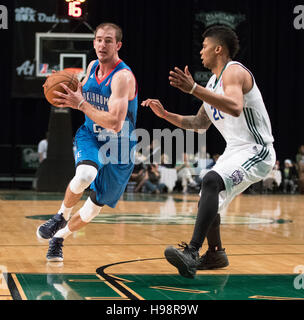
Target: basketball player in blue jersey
[(233, 103), (108, 98)]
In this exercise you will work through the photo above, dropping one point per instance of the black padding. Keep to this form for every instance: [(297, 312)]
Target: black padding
[(94, 198), (88, 162)]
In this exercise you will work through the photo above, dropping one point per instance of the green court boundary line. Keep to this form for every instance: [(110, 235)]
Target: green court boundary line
[(119, 284)]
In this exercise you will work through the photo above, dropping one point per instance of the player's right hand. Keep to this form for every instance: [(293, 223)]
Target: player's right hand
[(156, 107)]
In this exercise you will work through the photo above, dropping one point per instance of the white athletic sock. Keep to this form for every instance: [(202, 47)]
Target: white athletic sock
[(63, 233), (66, 212)]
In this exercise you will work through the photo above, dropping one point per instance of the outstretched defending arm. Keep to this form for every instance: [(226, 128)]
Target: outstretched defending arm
[(196, 122)]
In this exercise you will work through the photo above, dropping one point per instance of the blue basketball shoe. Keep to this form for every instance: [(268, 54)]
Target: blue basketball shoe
[(49, 228), (55, 250)]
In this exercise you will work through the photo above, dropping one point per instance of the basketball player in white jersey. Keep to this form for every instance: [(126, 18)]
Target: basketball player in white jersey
[(233, 103)]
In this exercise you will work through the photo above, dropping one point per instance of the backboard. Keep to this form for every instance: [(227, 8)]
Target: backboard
[(59, 51)]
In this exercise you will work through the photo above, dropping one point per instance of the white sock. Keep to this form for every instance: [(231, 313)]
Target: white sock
[(63, 233), (66, 212)]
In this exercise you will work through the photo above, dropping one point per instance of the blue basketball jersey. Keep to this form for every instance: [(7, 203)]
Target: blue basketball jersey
[(98, 91)]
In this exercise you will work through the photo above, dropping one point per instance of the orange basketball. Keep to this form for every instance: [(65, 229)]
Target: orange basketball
[(52, 84)]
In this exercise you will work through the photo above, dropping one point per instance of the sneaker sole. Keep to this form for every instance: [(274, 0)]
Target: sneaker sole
[(213, 266), (216, 265), (178, 263), (54, 259)]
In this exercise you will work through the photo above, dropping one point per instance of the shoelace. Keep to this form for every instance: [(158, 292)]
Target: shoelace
[(55, 247), (183, 245), (51, 221), (187, 249)]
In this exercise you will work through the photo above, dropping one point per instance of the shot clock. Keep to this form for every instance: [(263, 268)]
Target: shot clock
[(72, 9)]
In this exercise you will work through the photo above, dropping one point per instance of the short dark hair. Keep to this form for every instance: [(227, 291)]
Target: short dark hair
[(226, 37), (118, 30)]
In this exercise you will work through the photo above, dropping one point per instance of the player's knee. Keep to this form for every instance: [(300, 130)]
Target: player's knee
[(86, 178), (212, 182), (89, 211), (85, 175)]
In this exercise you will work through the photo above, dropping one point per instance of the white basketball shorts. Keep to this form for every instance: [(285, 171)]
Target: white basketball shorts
[(241, 167)]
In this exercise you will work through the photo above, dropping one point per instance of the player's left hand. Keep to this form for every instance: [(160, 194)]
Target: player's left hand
[(70, 99), (181, 80)]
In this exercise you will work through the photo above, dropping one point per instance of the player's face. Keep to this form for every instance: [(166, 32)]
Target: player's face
[(208, 54), (105, 44)]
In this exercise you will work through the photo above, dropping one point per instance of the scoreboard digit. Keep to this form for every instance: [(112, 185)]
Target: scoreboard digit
[(71, 9)]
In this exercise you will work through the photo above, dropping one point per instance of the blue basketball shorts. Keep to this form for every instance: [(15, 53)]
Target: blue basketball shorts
[(112, 178)]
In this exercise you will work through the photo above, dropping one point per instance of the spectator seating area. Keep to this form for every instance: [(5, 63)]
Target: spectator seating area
[(287, 176), (185, 176)]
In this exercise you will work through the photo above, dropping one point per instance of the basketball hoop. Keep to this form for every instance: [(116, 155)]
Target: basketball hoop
[(78, 71)]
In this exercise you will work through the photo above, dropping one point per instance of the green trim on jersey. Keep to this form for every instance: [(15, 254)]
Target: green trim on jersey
[(252, 127), (217, 80)]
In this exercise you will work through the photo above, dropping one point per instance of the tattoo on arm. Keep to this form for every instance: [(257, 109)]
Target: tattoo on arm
[(199, 121)]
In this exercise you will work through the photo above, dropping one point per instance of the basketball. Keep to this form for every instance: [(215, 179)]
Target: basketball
[(53, 82)]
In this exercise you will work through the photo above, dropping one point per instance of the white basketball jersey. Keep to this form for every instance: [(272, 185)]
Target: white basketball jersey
[(251, 127)]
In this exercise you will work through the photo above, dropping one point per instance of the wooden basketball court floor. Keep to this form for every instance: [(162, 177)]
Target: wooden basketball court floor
[(263, 236)]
